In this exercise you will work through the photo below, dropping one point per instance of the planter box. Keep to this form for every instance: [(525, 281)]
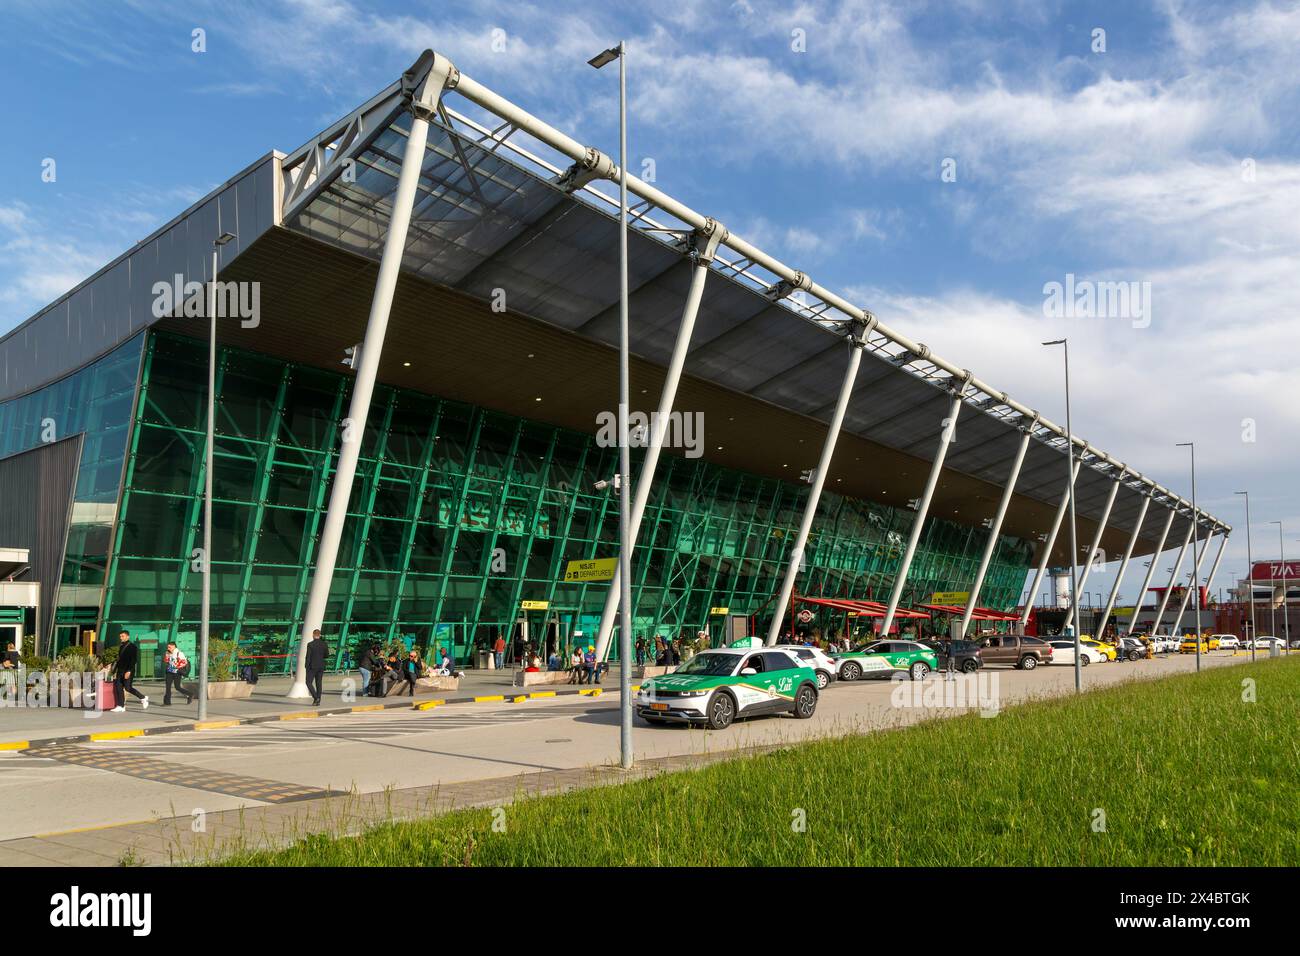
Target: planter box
[(534, 678), (436, 683), (222, 689), (652, 670)]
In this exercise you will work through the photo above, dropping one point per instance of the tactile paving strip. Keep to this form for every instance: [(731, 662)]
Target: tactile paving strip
[(196, 778)]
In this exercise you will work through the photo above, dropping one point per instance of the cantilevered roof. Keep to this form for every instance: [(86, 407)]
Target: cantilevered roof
[(512, 209), (509, 204)]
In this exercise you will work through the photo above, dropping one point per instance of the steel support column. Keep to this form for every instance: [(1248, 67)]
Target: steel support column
[(1100, 629), (857, 342), (1096, 544), (1173, 576), (706, 245), (1214, 568), (1196, 577), (1151, 569), (923, 506), (996, 528), (1050, 543), (424, 100)]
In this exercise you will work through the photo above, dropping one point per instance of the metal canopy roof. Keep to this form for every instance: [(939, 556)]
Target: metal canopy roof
[(496, 217)]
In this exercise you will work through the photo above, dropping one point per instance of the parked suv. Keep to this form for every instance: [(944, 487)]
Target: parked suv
[(965, 654), (1025, 653)]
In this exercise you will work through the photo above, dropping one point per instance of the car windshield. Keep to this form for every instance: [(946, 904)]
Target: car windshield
[(874, 647), (710, 665)]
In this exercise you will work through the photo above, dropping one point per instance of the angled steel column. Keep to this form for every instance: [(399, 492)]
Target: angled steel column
[(1173, 576), (818, 480), (1196, 577), (1096, 541), (1214, 568), (424, 89), (1050, 543), (706, 245), (1151, 568), (923, 507), (1123, 566), (1027, 432)]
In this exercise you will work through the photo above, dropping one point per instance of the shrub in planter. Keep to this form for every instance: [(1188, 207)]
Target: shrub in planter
[(81, 663), (34, 662), (223, 659)]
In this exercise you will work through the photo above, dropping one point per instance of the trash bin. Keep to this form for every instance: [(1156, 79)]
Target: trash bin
[(1274, 650), (483, 659)]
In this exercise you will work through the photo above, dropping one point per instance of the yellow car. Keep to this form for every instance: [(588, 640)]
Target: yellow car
[(1102, 648), (1189, 644)]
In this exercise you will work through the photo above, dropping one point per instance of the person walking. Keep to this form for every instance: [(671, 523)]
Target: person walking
[(176, 667), (640, 650), (128, 658), (317, 650), (499, 651)]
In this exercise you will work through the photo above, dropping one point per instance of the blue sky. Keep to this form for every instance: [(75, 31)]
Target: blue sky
[(1128, 164)]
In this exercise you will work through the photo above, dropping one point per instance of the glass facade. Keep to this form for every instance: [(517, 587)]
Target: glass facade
[(459, 517), (96, 401)]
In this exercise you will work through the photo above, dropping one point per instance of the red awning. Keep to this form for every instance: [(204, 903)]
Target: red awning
[(979, 614), (861, 607)]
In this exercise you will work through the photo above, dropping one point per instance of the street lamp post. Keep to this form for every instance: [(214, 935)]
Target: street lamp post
[(1286, 611), (1074, 532), (205, 604), (624, 452), (1250, 583), (1196, 564)]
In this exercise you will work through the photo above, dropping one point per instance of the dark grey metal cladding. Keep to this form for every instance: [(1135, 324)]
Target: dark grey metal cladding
[(117, 301), (36, 489)]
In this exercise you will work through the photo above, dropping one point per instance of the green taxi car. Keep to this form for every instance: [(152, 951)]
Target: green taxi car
[(886, 657), (715, 687)]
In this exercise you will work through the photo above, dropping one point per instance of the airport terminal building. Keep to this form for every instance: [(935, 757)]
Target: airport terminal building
[(811, 451)]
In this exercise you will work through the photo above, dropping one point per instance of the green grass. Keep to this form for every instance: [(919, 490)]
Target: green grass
[(1186, 772)]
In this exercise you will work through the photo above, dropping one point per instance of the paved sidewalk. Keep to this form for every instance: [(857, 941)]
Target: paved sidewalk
[(125, 801), (21, 727), (174, 840)]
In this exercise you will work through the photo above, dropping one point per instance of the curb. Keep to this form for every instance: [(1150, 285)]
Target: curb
[(222, 723)]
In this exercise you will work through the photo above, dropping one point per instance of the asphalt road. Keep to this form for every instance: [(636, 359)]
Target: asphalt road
[(127, 781)]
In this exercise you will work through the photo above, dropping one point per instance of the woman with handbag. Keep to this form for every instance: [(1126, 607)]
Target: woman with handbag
[(177, 668)]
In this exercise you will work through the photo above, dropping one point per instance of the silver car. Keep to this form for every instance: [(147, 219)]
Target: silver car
[(815, 658)]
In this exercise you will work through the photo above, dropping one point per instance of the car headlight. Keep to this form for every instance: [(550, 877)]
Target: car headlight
[(694, 693)]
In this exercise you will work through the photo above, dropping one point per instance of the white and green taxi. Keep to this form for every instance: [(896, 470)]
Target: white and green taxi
[(886, 657), (715, 687)]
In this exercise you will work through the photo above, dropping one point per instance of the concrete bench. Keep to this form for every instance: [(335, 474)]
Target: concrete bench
[(535, 678), (652, 670), (437, 682), (423, 685)]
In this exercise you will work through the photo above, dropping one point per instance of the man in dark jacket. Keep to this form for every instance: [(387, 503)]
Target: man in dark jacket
[(317, 650), (124, 668), (366, 665)]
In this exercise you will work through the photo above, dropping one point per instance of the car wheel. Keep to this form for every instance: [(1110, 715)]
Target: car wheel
[(1132, 655), (805, 702), (919, 670), (823, 680), (970, 665), (1084, 660), (1028, 662), (850, 671), (722, 710)]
